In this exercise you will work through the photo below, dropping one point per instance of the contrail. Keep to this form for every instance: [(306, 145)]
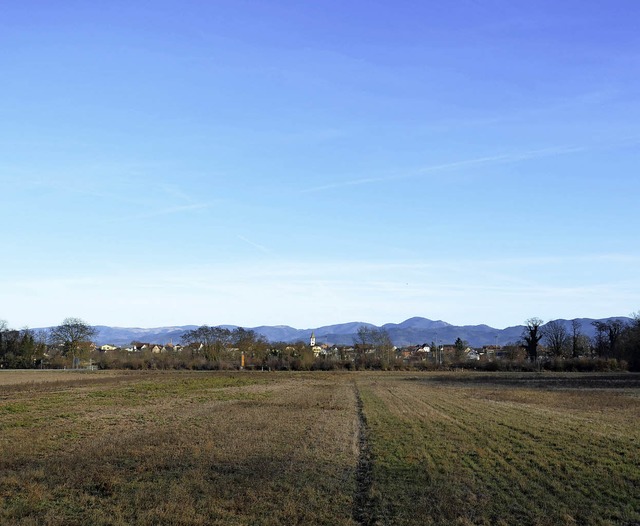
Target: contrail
[(493, 159)]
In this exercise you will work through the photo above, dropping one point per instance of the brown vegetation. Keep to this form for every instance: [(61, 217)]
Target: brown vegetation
[(178, 448), (195, 448)]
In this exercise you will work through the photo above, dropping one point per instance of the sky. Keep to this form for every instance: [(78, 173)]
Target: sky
[(309, 163)]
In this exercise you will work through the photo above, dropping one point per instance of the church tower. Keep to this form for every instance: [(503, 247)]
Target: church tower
[(312, 341)]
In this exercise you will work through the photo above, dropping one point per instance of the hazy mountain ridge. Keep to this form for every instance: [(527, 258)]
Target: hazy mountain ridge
[(413, 331)]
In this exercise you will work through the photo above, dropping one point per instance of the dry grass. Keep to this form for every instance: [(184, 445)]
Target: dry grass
[(179, 448), (467, 453), (34, 376), (196, 448)]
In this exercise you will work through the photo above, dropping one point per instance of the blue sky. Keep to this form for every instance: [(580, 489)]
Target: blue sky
[(310, 163)]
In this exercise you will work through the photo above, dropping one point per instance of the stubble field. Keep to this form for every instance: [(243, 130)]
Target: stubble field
[(318, 448)]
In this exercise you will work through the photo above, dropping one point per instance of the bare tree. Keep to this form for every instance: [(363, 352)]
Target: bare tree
[(513, 351), (630, 343), (556, 337), (73, 336), (251, 344), (608, 334), (375, 341), (384, 346), (364, 336), (576, 338), (532, 335), (211, 342)]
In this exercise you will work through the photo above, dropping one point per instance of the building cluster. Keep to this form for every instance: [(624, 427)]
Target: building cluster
[(142, 347), (412, 354), (409, 355)]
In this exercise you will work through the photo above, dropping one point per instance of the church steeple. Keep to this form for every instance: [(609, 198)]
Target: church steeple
[(312, 341)]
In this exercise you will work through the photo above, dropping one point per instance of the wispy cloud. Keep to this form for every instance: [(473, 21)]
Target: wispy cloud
[(505, 158), (83, 182), (159, 212), (176, 193), (261, 248)]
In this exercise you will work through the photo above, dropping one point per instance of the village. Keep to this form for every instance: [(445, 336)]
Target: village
[(75, 344), (412, 355)]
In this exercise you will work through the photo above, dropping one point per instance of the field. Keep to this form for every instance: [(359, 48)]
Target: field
[(198, 448)]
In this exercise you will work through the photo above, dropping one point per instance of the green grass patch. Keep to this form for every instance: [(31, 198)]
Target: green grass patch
[(452, 455), (15, 408)]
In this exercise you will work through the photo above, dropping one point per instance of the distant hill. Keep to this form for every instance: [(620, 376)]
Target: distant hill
[(126, 335), (413, 331)]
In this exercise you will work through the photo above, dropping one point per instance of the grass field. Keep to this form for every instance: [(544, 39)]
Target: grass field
[(456, 450), (318, 448)]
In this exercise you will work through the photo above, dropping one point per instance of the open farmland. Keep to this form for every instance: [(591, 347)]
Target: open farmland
[(178, 448), (318, 448), (506, 449)]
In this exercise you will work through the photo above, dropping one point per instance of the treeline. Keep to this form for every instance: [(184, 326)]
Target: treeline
[(554, 345), (205, 348), (21, 349), (66, 345), (551, 346)]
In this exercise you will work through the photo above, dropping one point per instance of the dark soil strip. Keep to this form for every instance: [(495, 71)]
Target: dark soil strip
[(363, 508)]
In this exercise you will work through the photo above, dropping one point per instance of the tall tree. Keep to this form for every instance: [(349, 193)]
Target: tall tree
[(365, 336), (460, 345), (384, 346), (250, 343), (373, 341), (73, 336), (531, 335), (4, 329), (577, 338), (9, 344), (608, 335), (211, 342), (30, 349), (630, 343), (556, 337)]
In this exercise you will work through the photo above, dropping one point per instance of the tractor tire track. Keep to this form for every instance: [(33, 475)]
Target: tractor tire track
[(363, 505)]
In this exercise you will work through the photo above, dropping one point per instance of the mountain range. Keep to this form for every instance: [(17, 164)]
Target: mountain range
[(413, 331)]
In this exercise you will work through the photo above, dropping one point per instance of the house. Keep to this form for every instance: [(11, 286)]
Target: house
[(472, 354), (422, 351), (413, 353), (137, 347), (108, 347)]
